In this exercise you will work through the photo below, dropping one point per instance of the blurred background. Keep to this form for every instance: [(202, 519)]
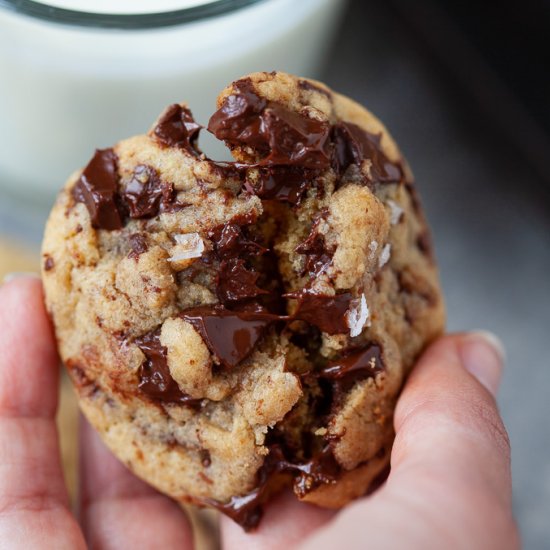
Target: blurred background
[(464, 90)]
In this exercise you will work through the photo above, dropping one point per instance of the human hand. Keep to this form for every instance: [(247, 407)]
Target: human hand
[(449, 486)]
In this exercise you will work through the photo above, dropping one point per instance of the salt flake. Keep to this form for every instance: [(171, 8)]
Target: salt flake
[(384, 255), (373, 247), (357, 316), (189, 245), (395, 212)]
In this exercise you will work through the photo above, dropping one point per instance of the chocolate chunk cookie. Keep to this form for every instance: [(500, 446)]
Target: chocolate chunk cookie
[(232, 328)]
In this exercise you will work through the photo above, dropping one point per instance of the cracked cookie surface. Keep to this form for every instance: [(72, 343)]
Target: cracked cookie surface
[(232, 328)]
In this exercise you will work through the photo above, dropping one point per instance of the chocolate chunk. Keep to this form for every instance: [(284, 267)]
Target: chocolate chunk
[(284, 183), (97, 189), (229, 241), (284, 136), (144, 192), (49, 264), (312, 87), (177, 128), (325, 312), (237, 120), (352, 145), (230, 335), (154, 375), (318, 256), (424, 243), (353, 367), (235, 282), (246, 510), (138, 245)]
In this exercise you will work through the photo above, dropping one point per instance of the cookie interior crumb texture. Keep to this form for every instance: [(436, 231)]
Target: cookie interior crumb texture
[(233, 328)]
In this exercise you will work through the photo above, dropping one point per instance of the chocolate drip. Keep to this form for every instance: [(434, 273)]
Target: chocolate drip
[(177, 128), (154, 375), (97, 189), (325, 312), (352, 145), (138, 245), (230, 335), (353, 367)]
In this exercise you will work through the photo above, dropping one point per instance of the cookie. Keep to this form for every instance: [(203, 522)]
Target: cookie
[(233, 328)]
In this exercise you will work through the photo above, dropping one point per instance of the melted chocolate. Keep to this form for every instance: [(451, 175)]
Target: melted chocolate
[(246, 510), (154, 375), (145, 192), (177, 128), (318, 256), (238, 120), (284, 183), (229, 242), (284, 136), (138, 245), (235, 282), (325, 312), (230, 335), (97, 189), (352, 145), (353, 367)]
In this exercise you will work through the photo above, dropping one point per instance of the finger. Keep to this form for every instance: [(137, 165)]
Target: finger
[(450, 482), (33, 496), (118, 510), (286, 522)]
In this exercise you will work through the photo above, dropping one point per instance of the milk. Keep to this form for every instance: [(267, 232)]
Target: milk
[(65, 90)]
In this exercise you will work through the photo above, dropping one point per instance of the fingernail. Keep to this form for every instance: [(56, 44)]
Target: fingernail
[(19, 275), (483, 356)]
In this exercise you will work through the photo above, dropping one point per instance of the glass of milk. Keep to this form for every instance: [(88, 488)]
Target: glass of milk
[(81, 74)]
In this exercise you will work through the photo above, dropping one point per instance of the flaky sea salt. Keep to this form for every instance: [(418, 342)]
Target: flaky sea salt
[(373, 247), (384, 255), (188, 245), (357, 315), (395, 212)]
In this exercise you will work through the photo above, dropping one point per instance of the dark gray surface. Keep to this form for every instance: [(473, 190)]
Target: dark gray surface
[(492, 231)]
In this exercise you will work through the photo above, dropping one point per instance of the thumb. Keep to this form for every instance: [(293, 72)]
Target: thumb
[(450, 484)]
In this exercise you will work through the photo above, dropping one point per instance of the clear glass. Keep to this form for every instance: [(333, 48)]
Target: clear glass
[(69, 83)]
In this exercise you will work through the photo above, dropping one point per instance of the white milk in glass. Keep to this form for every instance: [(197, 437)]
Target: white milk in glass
[(67, 89)]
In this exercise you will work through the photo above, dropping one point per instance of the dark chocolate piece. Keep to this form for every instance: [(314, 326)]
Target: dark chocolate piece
[(284, 136), (246, 510), (238, 120), (352, 145), (230, 242), (312, 87), (138, 245), (145, 191), (230, 335), (325, 312), (353, 367), (49, 264), (284, 183), (235, 282), (154, 375), (97, 189), (177, 128), (318, 256)]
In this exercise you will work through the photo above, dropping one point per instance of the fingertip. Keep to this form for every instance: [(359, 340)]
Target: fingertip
[(483, 354)]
